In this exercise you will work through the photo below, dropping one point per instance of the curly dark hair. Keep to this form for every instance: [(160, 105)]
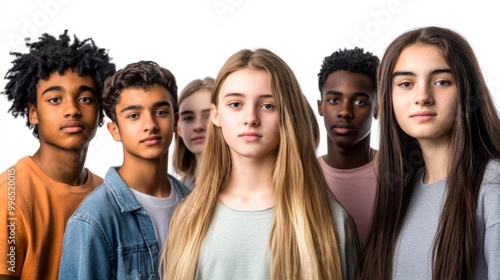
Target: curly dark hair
[(46, 56), (142, 74), (352, 60)]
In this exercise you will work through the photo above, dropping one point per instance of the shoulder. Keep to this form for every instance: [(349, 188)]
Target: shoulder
[(181, 189), (340, 216), (492, 172), (97, 204), (489, 195)]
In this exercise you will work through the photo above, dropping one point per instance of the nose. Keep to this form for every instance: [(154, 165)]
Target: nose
[(150, 124), (423, 95), (71, 109), (252, 116), (200, 124), (345, 111)]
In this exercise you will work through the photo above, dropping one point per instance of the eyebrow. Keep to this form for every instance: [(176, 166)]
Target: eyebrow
[(79, 90), (242, 95), (185, 112), (140, 107), (409, 73), (357, 93)]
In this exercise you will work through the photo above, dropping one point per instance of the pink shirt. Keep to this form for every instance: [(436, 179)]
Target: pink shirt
[(355, 189)]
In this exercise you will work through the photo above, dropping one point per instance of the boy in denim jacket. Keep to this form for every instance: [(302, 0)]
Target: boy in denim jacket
[(119, 230)]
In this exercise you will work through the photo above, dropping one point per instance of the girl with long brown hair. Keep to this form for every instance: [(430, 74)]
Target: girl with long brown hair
[(437, 213), (261, 208)]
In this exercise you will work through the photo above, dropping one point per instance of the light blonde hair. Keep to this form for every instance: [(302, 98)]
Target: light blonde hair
[(184, 161), (303, 241)]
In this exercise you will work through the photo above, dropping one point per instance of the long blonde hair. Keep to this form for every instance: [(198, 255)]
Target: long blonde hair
[(303, 241), (184, 161)]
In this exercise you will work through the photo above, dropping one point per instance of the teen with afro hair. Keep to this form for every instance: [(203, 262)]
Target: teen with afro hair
[(348, 87), (57, 85)]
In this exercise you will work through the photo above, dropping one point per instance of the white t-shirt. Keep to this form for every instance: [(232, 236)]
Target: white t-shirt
[(160, 209)]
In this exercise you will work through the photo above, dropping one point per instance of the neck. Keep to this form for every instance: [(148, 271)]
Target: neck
[(64, 166), (146, 176), (436, 157), (349, 157), (249, 185)]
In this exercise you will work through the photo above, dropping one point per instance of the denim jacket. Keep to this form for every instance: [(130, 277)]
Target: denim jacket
[(110, 236)]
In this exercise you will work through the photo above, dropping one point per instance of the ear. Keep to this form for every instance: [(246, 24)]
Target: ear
[(320, 107), (214, 115), (32, 115), (101, 119), (115, 131), (176, 123)]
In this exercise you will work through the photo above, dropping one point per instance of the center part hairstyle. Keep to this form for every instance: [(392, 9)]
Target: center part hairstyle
[(303, 242), (474, 141), (184, 161)]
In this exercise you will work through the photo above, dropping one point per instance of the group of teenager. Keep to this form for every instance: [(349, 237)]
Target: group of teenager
[(252, 199)]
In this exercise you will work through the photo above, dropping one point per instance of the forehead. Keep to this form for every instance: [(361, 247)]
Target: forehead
[(349, 81), (141, 96), (247, 81), (68, 80), (420, 56), (198, 99)]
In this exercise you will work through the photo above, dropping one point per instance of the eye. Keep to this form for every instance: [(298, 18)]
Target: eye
[(133, 116), (360, 102), (161, 113), (54, 100), (405, 84), (443, 83), (268, 106), (187, 118), (333, 100), (235, 104), (86, 99)]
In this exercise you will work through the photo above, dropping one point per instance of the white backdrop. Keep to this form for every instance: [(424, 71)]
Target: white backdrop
[(193, 39)]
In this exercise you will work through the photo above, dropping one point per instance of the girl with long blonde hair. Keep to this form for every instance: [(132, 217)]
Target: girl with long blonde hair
[(261, 208), (194, 110)]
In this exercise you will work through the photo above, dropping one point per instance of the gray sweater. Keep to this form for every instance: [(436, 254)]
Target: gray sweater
[(413, 254)]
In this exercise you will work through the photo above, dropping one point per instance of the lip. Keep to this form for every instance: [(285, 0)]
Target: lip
[(198, 139), (250, 136), (151, 140), (343, 128), (423, 115), (72, 127)]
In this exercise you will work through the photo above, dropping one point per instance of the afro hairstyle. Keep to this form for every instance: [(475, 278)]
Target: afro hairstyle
[(46, 56), (352, 60)]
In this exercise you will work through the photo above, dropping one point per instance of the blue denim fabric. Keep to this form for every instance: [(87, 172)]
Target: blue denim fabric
[(111, 236)]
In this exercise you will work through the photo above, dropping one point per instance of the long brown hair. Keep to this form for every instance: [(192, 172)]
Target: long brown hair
[(303, 242), (474, 141), (184, 161)]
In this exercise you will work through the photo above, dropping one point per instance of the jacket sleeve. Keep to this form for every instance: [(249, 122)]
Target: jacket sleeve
[(85, 252)]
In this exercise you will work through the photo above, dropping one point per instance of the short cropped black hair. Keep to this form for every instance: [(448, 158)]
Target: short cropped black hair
[(352, 60), (142, 74), (46, 56)]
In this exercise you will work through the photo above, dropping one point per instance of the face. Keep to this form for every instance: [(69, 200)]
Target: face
[(145, 122), (247, 115), (194, 113), (347, 107), (66, 111), (424, 93)]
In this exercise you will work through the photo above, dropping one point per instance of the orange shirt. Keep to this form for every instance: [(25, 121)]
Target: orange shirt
[(34, 210)]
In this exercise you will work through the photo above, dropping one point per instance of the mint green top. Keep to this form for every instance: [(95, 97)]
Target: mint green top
[(236, 244)]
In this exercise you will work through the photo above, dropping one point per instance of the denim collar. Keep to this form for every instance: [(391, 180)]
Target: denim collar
[(123, 195)]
